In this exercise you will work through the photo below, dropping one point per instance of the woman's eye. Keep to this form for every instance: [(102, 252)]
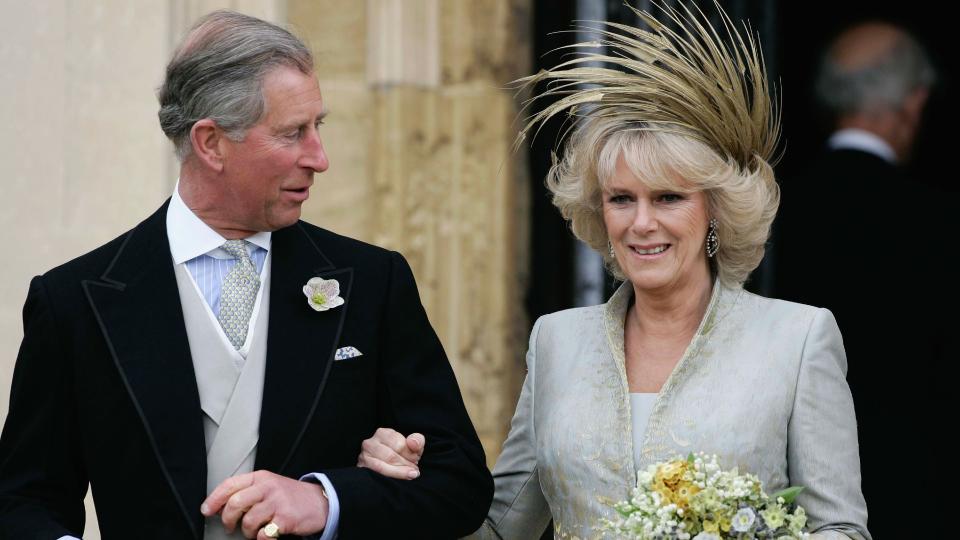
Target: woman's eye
[(671, 197), (619, 199)]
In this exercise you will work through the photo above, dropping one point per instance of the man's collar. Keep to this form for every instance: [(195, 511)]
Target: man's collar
[(190, 237), (865, 141)]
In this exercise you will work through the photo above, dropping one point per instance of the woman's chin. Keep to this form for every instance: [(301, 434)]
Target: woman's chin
[(650, 280)]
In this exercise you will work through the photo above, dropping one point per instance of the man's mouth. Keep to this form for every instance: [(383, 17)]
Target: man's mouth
[(300, 194)]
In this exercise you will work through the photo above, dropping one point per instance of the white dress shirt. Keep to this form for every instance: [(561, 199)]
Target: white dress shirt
[(641, 407), (859, 139)]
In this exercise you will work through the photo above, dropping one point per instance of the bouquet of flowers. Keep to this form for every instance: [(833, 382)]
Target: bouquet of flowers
[(694, 499)]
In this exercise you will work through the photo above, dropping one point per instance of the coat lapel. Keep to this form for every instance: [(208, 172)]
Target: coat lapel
[(138, 309), (300, 347)]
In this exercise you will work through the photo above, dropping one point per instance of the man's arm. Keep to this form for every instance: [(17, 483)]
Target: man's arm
[(417, 392), (42, 479)]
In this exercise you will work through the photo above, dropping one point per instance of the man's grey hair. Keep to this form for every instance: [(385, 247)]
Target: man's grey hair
[(217, 73), (884, 84)]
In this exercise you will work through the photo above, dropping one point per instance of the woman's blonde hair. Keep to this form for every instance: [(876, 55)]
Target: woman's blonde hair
[(686, 111)]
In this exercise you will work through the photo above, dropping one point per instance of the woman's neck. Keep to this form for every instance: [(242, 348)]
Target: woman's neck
[(672, 312)]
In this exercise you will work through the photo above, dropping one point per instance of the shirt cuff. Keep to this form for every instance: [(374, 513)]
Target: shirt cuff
[(333, 511), (333, 503)]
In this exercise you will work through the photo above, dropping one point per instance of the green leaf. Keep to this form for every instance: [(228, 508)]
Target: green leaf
[(690, 457), (788, 494)]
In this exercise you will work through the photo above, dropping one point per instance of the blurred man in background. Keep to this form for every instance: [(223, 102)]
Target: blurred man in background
[(858, 236)]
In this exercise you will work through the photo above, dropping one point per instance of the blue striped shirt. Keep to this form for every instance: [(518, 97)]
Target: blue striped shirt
[(208, 272)]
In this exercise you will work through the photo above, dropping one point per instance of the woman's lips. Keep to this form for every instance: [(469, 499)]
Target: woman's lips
[(650, 250)]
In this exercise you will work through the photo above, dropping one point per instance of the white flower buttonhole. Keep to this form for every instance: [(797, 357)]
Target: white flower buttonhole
[(323, 294)]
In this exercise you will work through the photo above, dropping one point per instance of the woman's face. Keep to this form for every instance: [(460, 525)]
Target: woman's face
[(658, 237)]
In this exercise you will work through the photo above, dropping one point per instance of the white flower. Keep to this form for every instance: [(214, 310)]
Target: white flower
[(707, 536), (322, 294), (645, 477), (743, 520)]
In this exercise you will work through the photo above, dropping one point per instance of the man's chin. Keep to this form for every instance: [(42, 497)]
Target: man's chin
[(284, 221)]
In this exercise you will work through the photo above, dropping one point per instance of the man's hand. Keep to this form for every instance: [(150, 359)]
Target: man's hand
[(392, 455), (254, 499)]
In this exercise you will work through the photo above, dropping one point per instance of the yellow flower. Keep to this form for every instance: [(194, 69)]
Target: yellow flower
[(667, 471), (671, 472), (711, 526), (725, 524), (774, 516), (797, 521), (684, 491), (665, 492), (658, 485)]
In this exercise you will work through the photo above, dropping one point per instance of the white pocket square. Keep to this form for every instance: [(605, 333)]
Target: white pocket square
[(346, 352)]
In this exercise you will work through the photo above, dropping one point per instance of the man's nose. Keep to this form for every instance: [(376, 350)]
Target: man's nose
[(314, 156)]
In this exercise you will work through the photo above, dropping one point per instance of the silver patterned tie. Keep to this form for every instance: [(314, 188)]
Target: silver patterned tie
[(238, 294)]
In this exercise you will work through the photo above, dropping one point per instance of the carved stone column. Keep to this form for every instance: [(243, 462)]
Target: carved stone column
[(419, 139)]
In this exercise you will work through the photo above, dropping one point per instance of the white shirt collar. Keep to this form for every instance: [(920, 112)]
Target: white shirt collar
[(858, 139), (190, 237)]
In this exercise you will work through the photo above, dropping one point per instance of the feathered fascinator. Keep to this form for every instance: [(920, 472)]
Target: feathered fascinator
[(689, 81)]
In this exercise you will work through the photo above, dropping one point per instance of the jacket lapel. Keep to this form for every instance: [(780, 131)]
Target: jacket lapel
[(138, 309), (300, 346)]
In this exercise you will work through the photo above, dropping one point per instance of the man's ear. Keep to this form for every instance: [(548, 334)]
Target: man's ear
[(915, 103), (206, 138)]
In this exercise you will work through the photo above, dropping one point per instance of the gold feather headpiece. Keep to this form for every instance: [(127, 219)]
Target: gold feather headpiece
[(687, 81)]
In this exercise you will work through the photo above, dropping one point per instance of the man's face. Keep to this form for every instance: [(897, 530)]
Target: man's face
[(267, 176)]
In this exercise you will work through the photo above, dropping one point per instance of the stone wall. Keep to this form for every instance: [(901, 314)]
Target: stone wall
[(419, 138)]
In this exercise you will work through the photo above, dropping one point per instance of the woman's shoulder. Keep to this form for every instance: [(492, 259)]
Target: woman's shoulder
[(774, 308), (772, 317), (574, 325), (776, 330), (572, 316), (567, 320)]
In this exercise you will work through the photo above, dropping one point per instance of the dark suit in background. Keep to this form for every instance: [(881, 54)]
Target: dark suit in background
[(857, 236)]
